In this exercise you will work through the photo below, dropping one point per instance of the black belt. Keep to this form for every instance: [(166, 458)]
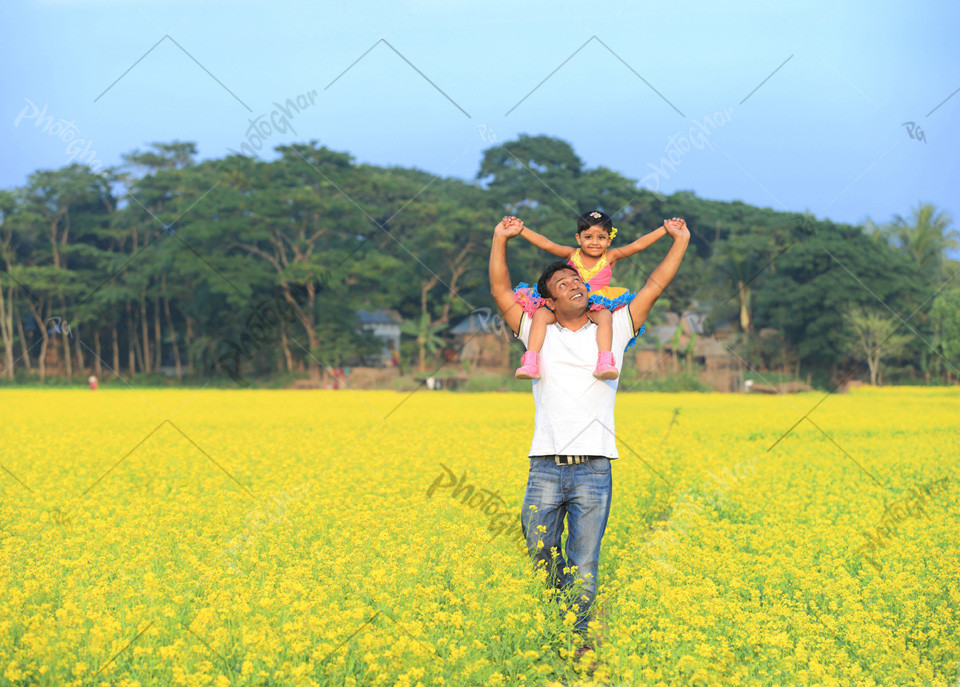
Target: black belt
[(568, 460)]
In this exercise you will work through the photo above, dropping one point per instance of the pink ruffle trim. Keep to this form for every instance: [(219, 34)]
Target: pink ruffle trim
[(528, 298)]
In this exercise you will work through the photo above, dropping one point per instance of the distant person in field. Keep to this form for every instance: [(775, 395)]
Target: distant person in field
[(574, 438), (594, 263)]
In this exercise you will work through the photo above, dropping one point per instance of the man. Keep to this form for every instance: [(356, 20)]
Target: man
[(573, 436)]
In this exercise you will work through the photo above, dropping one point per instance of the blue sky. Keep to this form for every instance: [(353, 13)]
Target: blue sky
[(815, 94)]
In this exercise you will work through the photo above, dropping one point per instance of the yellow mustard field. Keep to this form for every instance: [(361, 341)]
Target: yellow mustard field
[(203, 537)]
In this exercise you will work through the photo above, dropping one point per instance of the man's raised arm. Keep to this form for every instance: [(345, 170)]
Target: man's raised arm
[(663, 274), (500, 286)]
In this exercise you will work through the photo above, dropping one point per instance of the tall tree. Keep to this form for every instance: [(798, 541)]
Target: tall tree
[(538, 173), (737, 266), (875, 337), (70, 203), (11, 252), (301, 215), (161, 192)]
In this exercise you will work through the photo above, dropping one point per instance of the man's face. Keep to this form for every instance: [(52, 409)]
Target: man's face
[(569, 292)]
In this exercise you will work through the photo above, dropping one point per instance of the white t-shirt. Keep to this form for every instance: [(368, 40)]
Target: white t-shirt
[(574, 409)]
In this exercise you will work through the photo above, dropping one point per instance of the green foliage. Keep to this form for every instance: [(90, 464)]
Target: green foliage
[(495, 383), (666, 384), (946, 318), (168, 257), (827, 269)]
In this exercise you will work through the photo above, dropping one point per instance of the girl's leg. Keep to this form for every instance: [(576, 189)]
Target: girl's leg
[(530, 362), (538, 328), (606, 366), (604, 321)]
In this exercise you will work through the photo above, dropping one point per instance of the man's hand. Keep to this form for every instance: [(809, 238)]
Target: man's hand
[(508, 227), (500, 276), (667, 269)]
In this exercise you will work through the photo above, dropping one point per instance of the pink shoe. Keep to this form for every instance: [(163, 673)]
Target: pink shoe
[(529, 366), (606, 366)]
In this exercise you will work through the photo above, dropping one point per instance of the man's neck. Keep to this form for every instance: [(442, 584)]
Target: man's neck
[(574, 322)]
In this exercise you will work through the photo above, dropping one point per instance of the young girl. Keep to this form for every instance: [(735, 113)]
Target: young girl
[(594, 263)]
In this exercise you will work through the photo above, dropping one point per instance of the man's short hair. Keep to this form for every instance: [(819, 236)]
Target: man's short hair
[(542, 287)]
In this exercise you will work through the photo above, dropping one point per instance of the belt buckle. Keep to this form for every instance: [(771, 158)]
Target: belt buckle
[(566, 460)]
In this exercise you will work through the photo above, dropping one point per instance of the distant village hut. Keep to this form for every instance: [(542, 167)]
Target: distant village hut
[(385, 325), (483, 340), (659, 349)]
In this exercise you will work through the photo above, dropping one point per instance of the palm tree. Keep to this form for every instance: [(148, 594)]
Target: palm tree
[(736, 263), (925, 237), (427, 339)]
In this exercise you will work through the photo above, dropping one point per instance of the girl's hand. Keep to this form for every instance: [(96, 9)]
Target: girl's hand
[(513, 223), (508, 227), (677, 228)]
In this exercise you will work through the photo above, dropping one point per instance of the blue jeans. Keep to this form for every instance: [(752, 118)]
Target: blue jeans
[(583, 494)]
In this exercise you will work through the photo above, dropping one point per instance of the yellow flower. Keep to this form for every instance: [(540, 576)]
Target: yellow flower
[(169, 564)]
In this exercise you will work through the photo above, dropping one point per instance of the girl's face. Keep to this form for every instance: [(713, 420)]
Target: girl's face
[(594, 241)]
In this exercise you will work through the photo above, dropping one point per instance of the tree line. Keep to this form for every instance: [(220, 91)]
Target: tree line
[(161, 262)]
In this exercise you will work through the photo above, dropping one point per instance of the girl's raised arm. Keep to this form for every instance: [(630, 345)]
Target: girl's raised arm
[(640, 244), (543, 243)]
